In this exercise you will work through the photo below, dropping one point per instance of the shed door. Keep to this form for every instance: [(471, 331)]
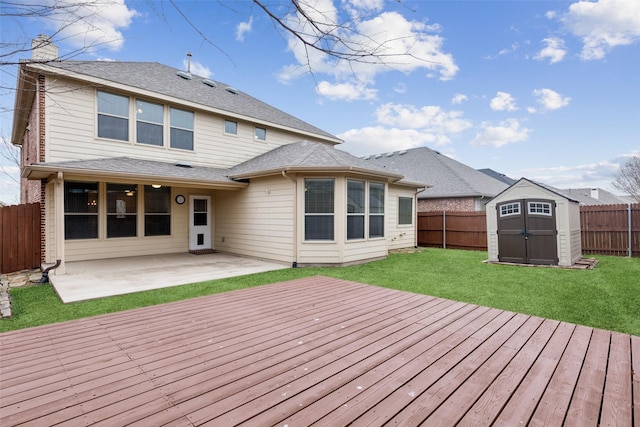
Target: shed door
[(527, 231)]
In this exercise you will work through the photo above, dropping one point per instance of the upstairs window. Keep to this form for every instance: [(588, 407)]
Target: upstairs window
[(149, 123), (181, 134), (113, 116), (230, 127), (318, 209), (260, 134)]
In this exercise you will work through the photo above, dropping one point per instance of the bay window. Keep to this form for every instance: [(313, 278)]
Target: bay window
[(376, 209), (319, 208)]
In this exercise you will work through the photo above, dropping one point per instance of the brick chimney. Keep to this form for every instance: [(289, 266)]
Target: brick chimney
[(43, 50)]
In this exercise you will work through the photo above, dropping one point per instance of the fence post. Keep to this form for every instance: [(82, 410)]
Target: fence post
[(629, 250), (444, 229)]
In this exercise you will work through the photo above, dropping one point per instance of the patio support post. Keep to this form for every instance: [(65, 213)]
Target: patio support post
[(59, 223)]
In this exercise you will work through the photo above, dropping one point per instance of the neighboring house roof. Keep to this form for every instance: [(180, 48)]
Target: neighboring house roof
[(153, 79), (129, 168), (497, 175), (595, 196), (446, 176), (306, 156)]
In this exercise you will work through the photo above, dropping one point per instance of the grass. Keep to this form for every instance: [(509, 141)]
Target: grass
[(607, 297)]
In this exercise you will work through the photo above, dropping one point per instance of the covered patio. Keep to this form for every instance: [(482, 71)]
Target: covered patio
[(86, 280), (318, 351)]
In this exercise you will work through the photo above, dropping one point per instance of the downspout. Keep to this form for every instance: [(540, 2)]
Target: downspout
[(294, 264), (58, 199), (416, 228)]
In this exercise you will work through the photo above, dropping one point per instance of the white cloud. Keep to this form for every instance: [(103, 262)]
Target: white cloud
[(379, 139), (430, 118), (243, 28), (9, 187), (401, 45), (550, 99), (506, 132), (90, 25), (503, 101), (459, 98), (555, 50), (346, 91), (603, 25), (198, 69), (402, 127), (600, 174)]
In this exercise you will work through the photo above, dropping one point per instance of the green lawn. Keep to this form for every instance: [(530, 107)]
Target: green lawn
[(607, 297)]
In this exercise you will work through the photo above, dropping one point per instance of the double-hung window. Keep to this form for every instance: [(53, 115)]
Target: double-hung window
[(157, 211), (122, 204), (319, 208), (405, 210), (149, 123), (181, 134), (376, 209), (355, 209), (80, 210), (113, 116)]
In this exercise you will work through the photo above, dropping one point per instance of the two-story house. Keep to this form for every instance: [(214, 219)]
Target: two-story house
[(137, 158)]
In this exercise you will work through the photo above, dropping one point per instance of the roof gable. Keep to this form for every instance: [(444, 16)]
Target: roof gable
[(165, 81)]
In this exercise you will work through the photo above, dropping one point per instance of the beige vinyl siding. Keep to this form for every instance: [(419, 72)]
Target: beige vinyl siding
[(71, 132), (400, 236), (257, 221), (49, 227)]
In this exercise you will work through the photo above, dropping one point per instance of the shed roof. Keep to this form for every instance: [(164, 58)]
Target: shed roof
[(446, 176), (557, 191)]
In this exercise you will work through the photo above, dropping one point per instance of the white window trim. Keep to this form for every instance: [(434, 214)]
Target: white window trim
[(504, 207)]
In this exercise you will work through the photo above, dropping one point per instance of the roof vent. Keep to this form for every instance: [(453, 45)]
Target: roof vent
[(402, 152), (390, 154), (185, 75), (183, 165), (378, 156), (209, 83), (367, 157), (232, 90)]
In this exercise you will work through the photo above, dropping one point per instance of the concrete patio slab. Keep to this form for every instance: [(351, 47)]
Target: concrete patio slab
[(117, 276)]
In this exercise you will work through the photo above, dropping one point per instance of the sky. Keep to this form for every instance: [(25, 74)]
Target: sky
[(547, 90)]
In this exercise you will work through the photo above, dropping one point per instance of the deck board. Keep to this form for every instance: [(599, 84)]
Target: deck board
[(318, 351)]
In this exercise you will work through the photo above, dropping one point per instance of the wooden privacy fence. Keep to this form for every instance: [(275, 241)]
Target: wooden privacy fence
[(605, 229), (19, 237), (455, 230), (611, 229)]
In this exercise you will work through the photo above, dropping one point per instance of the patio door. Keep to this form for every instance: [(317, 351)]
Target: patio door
[(199, 223)]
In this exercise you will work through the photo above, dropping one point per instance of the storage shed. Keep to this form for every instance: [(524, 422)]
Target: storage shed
[(529, 223)]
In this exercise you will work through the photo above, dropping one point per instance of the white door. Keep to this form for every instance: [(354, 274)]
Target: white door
[(199, 222)]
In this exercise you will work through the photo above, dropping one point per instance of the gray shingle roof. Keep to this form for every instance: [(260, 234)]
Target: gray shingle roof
[(448, 177), (142, 169), (309, 156), (162, 79), (497, 175)]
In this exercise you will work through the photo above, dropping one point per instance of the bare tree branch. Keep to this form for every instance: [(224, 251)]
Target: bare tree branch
[(628, 178)]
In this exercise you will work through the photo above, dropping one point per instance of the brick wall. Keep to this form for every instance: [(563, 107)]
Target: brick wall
[(464, 204)]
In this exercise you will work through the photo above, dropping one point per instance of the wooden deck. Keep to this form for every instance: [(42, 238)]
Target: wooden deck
[(318, 351)]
